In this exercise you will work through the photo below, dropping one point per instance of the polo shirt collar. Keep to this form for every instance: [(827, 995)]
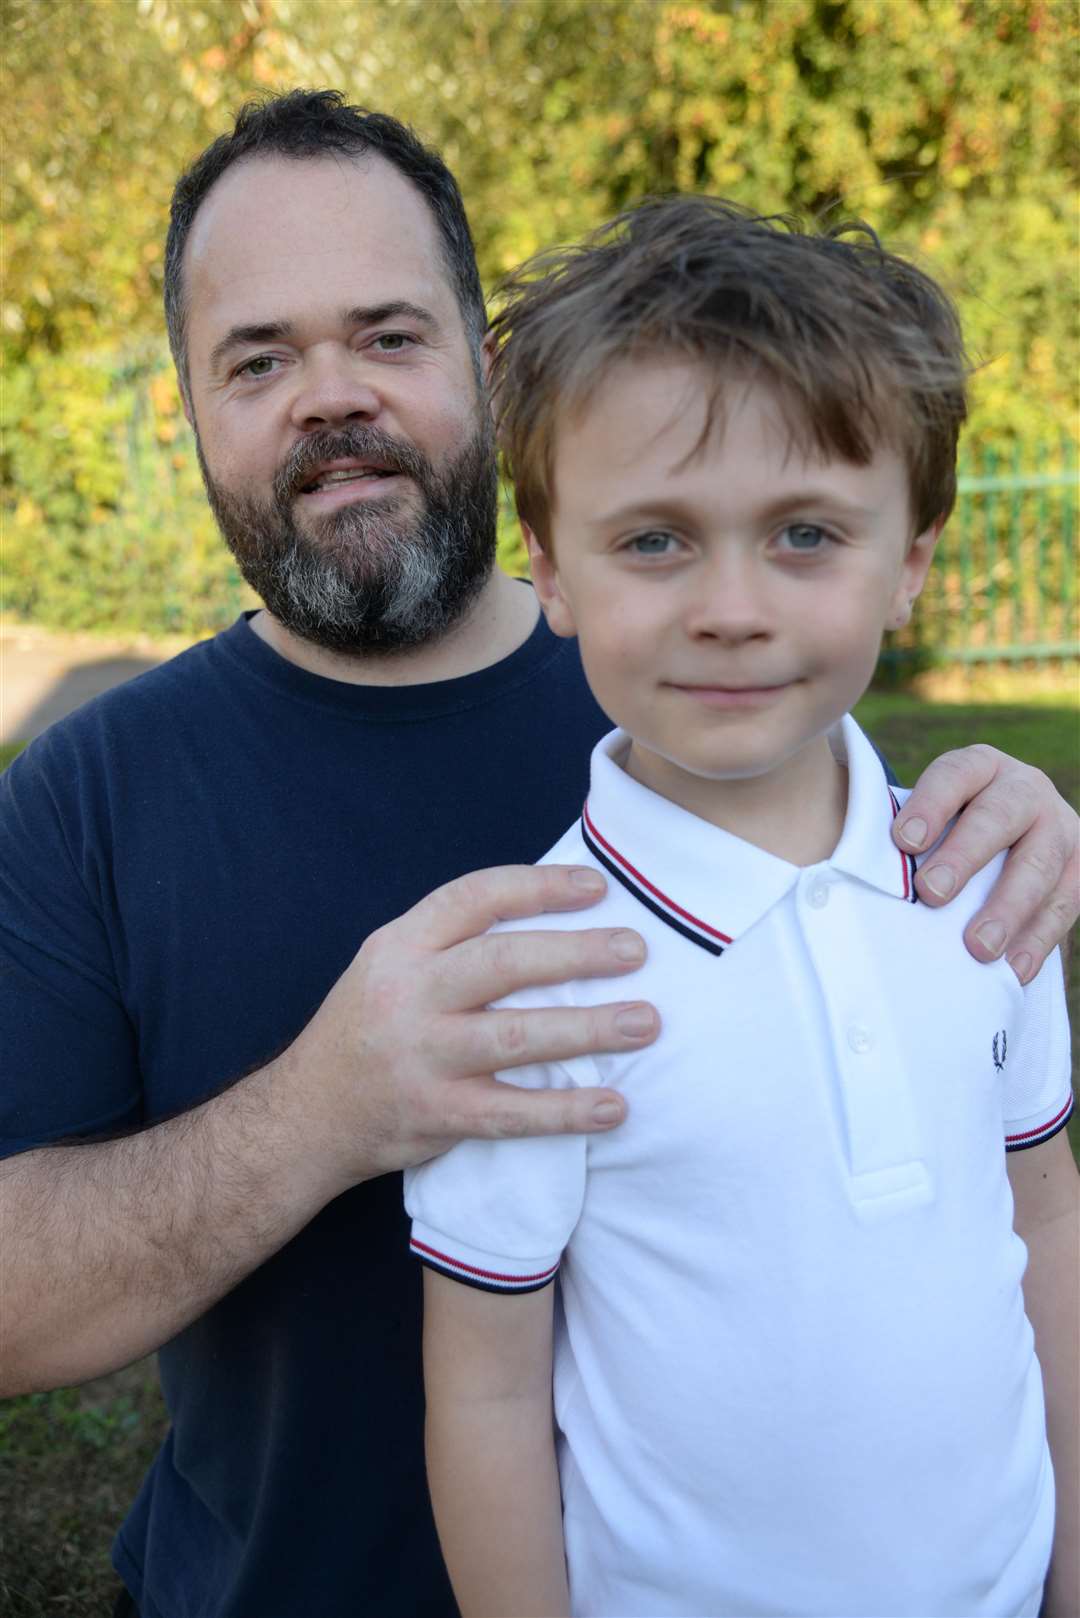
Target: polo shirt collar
[(710, 886)]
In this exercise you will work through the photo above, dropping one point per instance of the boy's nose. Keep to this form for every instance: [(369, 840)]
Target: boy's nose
[(729, 603)]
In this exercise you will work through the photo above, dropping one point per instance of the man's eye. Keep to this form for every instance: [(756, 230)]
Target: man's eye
[(655, 543), (393, 342), (259, 366), (803, 537)]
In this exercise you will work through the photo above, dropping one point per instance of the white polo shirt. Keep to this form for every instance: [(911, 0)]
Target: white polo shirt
[(793, 1371)]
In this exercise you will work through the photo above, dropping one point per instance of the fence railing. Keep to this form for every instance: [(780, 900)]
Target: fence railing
[(1003, 585)]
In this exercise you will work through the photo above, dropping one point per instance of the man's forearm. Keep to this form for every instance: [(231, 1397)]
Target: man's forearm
[(109, 1249)]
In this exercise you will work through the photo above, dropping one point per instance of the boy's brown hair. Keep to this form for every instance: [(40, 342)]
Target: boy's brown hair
[(862, 347)]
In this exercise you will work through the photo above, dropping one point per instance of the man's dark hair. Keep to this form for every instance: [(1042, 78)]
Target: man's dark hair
[(861, 346), (308, 124)]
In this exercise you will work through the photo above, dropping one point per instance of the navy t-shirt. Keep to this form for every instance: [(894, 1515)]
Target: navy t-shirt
[(187, 865)]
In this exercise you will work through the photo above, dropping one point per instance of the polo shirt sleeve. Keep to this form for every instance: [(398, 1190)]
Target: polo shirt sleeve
[(1037, 1093), (498, 1214)]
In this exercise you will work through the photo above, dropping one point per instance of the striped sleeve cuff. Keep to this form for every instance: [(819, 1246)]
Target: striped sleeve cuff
[(1026, 1132), (488, 1272)]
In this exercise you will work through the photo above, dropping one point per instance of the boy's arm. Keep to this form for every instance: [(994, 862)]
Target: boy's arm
[(1046, 1194), (491, 1449)]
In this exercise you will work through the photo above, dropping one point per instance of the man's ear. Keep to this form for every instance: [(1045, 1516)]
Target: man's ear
[(913, 571), (545, 577), (185, 403)]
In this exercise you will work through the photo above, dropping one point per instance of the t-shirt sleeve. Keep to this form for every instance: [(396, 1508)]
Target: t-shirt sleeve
[(69, 1064), (498, 1214), (1037, 1093)]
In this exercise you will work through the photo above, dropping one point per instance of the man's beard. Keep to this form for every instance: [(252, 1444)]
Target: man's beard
[(369, 578)]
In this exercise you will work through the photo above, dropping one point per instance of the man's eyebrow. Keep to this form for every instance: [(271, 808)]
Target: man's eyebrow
[(399, 309), (269, 331)]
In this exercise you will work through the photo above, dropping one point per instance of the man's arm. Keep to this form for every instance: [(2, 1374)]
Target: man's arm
[(999, 804), (1046, 1194), (109, 1249), (491, 1449)]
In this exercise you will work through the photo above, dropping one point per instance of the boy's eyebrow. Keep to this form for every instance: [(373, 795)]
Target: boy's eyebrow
[(275, 331), (797, 501), (800, 498)]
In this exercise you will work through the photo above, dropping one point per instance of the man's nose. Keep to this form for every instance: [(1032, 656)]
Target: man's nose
[(730, 599), (333, 389)]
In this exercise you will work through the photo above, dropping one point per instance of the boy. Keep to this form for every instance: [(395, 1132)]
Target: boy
[(792, 1369)]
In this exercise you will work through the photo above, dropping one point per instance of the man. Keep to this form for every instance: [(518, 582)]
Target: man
[(191, 863)]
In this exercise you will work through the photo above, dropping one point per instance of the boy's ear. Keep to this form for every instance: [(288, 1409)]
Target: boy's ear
[(913, 571), (487, 354), (545, 577)]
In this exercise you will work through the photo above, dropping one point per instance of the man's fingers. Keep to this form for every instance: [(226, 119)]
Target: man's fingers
[(941, 791), (1031, 906), (473, 903), (491, 1040), (493, 1111), (1032, 943), (488, 968)]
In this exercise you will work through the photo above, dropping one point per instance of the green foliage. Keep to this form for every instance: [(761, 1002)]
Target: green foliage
[(104, 465), (947, 125)]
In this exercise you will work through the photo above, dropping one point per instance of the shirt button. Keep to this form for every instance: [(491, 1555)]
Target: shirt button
[(818, 895), (861, 1040)]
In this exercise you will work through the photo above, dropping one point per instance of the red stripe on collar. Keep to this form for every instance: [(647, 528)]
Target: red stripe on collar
[(907, 861), (650, 887)]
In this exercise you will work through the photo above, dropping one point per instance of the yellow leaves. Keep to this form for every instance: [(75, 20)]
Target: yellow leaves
[(27, 513), (164, 395)]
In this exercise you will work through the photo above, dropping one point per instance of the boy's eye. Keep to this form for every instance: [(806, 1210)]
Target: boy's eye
[(655, 543), (803, 537)]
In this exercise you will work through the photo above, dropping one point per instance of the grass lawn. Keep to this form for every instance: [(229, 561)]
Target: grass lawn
[(71, 1461)]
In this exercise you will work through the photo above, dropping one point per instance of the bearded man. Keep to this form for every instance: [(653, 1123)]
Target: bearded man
[(246, 957)]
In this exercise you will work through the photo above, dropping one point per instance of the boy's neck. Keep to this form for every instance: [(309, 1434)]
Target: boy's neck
[(796, 811)]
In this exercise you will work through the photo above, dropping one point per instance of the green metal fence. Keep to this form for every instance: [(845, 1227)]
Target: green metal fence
[(1003, 585)]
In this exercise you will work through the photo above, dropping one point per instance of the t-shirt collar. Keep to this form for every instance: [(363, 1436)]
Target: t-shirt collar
[(711, 886)]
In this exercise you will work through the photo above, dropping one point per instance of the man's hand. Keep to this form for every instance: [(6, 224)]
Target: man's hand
[(112, 1247), (1001, 804), (398, 1062)]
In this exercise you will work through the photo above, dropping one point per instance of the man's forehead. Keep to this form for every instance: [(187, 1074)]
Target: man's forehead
[(273, 216)]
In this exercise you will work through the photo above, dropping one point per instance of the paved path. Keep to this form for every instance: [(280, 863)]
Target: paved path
[(44, 674)]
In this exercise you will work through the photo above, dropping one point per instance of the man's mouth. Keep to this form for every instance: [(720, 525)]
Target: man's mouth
[(327, 477)]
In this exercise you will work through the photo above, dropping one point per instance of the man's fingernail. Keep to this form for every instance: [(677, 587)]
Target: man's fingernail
[(582, 877), (913, 832), (940, 880), (991, 936), (607, 1112), (1021, 964), (635, 1021), (627, 946)]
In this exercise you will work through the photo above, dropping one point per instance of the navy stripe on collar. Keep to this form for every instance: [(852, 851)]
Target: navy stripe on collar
[(692, 927), (906, 860)]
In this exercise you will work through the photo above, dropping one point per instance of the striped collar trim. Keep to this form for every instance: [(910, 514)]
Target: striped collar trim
[(629, 831), (653, 898), (908, 866)]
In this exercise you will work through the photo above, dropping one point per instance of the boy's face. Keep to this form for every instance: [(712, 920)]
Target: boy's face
[(729, 596)]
